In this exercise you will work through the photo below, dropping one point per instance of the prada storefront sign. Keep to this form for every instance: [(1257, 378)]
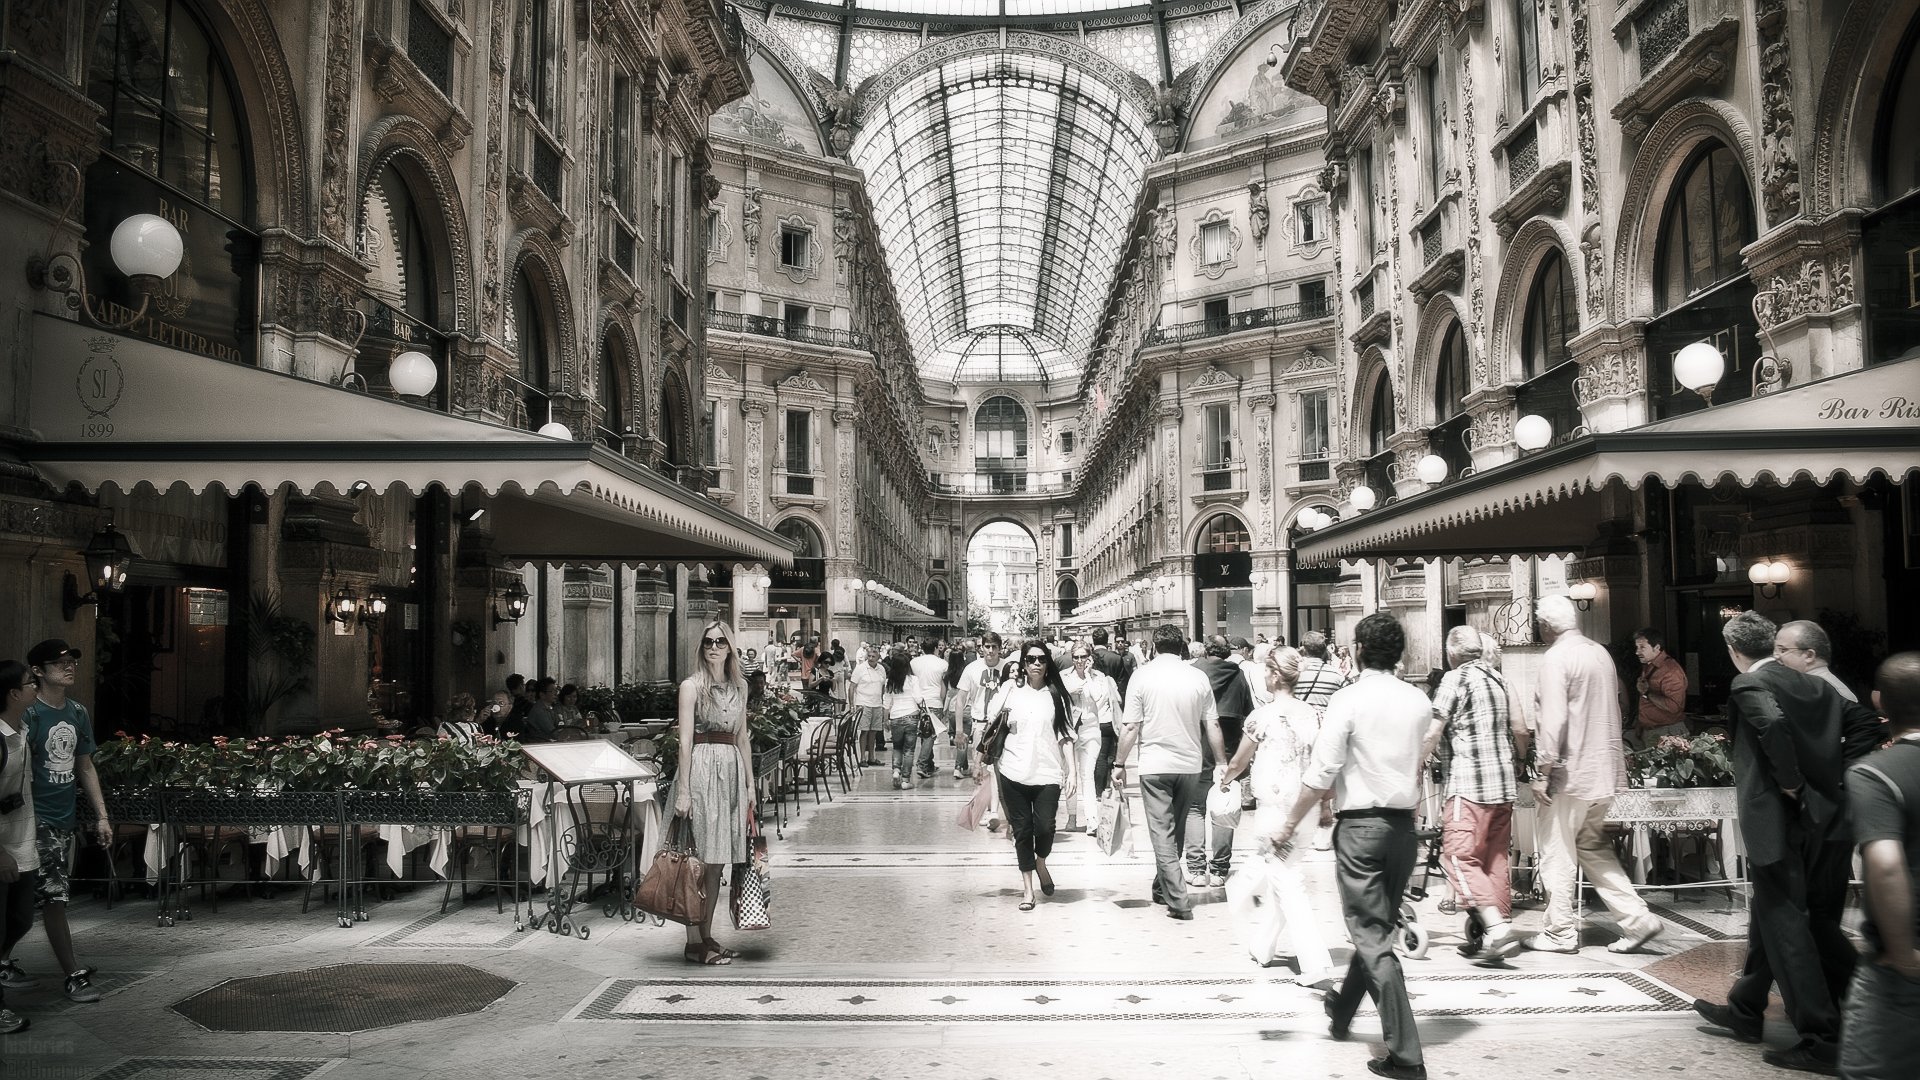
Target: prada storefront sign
[(803, 574), (209, 305)]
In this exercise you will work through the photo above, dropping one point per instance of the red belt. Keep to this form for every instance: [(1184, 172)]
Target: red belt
[(724, 738)]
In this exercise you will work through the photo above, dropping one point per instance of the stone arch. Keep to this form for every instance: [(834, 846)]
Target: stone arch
[(1436, 315), (616, 331), (1371, 367), (1662, 155), (534, 245), (1847, 112), (263, 82), (1532, 243), (411, 148), (677, 399), (1131, 88)]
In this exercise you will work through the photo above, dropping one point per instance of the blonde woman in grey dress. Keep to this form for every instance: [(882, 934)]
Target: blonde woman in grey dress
[(713, 785)]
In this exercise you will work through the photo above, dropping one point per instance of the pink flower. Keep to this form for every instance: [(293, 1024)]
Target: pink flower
[(396, 738)]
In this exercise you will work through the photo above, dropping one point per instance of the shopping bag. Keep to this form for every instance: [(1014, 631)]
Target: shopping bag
[(971, 813), (1223, 807), (1111, 832), (674, 887), (751, 900)]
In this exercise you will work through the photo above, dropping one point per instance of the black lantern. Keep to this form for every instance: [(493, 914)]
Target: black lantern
[(344, 607), (109, 555), (373, 609), (512, 605)]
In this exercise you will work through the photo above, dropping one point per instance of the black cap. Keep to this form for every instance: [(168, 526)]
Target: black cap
[(50, 650), (1241, 643)]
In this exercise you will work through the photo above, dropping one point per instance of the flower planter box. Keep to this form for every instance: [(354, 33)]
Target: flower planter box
[(436, 809)]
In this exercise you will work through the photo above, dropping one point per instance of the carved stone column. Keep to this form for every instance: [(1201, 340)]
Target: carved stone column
[(652, 603), (1404, 596), (1490, 436), (699, 610), (1611, 389), (1810, 317), (586, 625), (754, 495), (1484, 587), (1408, 448)]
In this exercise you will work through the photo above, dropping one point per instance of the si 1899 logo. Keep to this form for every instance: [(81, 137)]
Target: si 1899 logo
[(99, 385)]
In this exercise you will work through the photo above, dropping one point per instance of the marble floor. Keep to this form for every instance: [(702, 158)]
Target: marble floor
[(898, 951)]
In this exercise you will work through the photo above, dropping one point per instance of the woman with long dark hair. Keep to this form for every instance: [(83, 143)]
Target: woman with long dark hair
[(713, 785), (900, 696), (1037, 766)]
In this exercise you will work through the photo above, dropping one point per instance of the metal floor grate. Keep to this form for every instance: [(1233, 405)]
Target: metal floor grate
[(346, 997)]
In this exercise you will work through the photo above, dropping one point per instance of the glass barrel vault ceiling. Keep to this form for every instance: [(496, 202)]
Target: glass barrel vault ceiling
[(994, 8), (1004, 184)]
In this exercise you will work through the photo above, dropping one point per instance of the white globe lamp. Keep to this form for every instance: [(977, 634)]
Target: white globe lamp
[(412, 374), (1362, 497), (1532, 432), (146, 246), (1431, 469), (554, 429), (1310, 519), (1698, 367)]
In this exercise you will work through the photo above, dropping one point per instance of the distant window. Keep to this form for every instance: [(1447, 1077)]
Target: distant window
[(1708, 219), (1218, 313), (1313, 295), (713, 230), (1550, 320), (1450, 378), (1380, 415), (1436, 128), (1066, 442), (1218, 448), (794, 245), (999, 434), (799, 440), (1066, 539), (796, 316), (1308, 216), (1314, 429), (1213, 243)]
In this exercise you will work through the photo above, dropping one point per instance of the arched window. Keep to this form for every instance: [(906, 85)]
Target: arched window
[(1000, 443), (404, 301), (1380, 415), (802, 532), (1224, 534), (1450, 377), (174, 144), (613, 392), (937, 598), (673, 420), (1550, 320), (1068, 595), (1890, 294), (528, 337), (169, 106), (1707, 220)]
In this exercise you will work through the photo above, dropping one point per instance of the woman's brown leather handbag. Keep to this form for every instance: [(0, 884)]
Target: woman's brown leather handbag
[(674, 888)]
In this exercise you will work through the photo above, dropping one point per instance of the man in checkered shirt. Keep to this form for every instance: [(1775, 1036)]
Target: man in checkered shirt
[(1483, 731), (1318, 678)]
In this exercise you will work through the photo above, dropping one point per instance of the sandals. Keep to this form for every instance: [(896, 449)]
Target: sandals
[(1026, 905), (707, 954), (1046, 882), (720, 949)]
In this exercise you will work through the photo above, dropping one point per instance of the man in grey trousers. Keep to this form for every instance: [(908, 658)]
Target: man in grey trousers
[(1368, 753)]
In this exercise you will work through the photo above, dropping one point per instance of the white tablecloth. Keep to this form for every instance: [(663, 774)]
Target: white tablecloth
[(1647, 811)]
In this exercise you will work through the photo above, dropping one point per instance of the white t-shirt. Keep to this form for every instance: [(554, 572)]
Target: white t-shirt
[(971, 681), (1257, 681), (931, 673), (905, 704), (17, 828), (1172, 701), (1033, 753), (869, 681)]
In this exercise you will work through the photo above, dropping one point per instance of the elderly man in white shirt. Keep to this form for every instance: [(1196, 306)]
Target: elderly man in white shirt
[(1169, 710), (1368, 753), (930, 672)]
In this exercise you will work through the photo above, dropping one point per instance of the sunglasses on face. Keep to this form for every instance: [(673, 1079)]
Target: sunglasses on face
[(710, 642), (1036, 659)]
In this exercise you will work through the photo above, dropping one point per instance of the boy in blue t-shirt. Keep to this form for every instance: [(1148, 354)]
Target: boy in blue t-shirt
[(60, 734)]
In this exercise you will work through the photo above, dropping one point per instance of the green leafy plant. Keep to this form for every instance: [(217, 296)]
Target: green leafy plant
[(280, 652), (1675, 761), (633, 701), (329, 761)]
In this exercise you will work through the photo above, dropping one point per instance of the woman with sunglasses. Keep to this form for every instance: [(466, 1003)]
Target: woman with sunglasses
[(1037, 766), (713, 786), (1096, 702)]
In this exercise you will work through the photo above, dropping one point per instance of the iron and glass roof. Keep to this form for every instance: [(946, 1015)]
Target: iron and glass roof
[(1004, 184)]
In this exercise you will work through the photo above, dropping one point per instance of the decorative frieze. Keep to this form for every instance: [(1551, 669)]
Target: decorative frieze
[(1608, 375), (1779, 165)]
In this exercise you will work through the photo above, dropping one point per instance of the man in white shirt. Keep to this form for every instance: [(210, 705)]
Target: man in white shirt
[(867, 685), (969, 704), (1169, 711), (1254, 662), (1368, 753), (930, 671)]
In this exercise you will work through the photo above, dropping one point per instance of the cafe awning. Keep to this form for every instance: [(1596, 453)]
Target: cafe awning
[(1852, 426), (119, 412)]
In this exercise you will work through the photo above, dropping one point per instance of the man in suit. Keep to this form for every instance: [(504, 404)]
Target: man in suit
[(1117, 666), (1789, 730)]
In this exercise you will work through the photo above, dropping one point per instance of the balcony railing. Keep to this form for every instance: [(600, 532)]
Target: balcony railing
[(1234, 322), (769, 326), (1313, 470), (1000, 483)]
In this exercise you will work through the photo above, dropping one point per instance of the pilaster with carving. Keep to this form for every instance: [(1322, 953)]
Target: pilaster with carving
[(1779, 162), (1611, 388), (843, 439), (337, 165), (1489, 435)]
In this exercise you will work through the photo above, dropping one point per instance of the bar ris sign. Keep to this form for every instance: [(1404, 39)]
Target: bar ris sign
[(1897, 407)]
